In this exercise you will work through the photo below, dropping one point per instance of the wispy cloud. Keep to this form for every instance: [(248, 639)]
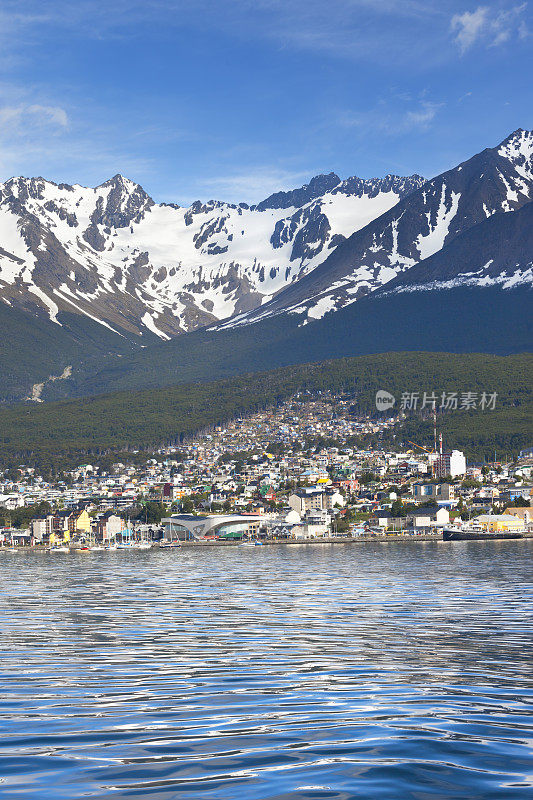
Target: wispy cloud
[(251, 185), (268, 75), (388, 120), (488, 26), (349, 29), (34, 115), (341, 28), (469, 26), (39, 138)]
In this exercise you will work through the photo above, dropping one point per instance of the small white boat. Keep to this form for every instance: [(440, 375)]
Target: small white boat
[(59, 549), (96, 547)]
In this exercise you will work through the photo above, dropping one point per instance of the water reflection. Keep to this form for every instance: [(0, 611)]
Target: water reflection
[(367, 671)]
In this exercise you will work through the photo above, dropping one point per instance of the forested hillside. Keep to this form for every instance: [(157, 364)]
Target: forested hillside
[(61, 434), (461, 320)]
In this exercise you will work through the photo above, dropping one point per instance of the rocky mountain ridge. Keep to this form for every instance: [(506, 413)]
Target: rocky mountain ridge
[(102, 280), (497, 180), (113, 255)]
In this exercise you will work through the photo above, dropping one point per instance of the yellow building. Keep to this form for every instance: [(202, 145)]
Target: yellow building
[(525, 513), (80, 522), (500, 522)]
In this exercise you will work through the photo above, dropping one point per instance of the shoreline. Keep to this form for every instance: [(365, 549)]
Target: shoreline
[(272, 542)]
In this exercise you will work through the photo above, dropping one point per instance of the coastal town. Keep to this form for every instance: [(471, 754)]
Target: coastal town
[(310, 469)]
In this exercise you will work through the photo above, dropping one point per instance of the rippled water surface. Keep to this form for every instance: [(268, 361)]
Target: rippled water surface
[(321, 671)]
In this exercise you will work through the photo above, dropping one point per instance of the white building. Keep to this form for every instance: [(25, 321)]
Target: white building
[(201, 526), (283, 524), (290, 524), (11, 501), (112, 524), (40, 528), (313, 498), (453, 464), (425, 519)]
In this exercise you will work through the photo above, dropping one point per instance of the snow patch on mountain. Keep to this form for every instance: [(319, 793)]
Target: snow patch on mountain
[(148, 321), (53, 308), (520, 277), (321, 307), (434, 240), (347, 214)]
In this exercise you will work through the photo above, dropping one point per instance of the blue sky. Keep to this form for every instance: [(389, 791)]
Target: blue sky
[(234, 99)]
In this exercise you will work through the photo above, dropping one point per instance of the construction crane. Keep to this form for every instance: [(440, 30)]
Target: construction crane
[(420, 446)]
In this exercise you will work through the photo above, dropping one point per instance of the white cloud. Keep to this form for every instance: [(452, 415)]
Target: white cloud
[(488, 26), (41, 138), (469, 26)]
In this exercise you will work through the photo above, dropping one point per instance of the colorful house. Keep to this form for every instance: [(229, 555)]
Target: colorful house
[(500, 522)]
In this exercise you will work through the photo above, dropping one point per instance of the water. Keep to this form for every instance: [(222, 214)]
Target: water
[(324, 671)]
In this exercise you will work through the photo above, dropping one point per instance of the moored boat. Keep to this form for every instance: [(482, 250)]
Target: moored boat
[(476, 532)]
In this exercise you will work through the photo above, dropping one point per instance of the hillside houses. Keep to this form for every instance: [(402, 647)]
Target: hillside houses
[(304, 457)]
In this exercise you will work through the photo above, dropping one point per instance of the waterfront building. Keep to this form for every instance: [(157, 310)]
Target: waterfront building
[(192, 526), (525, 513), (40, 529), (79, 522), (429, 518), (109, 526), (494, 523)]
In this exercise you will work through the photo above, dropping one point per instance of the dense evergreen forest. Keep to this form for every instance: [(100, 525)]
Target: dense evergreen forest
[(56, 436)]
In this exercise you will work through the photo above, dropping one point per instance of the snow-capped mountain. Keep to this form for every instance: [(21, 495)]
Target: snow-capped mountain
[(496, 180), (473, 295), (94, 282), (497, 252), (112, 255)]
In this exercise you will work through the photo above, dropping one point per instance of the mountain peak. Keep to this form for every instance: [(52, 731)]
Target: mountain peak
[(519, 132), (323, 178), (518, 149), (119, 180), (517, 136), (296, 198)]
